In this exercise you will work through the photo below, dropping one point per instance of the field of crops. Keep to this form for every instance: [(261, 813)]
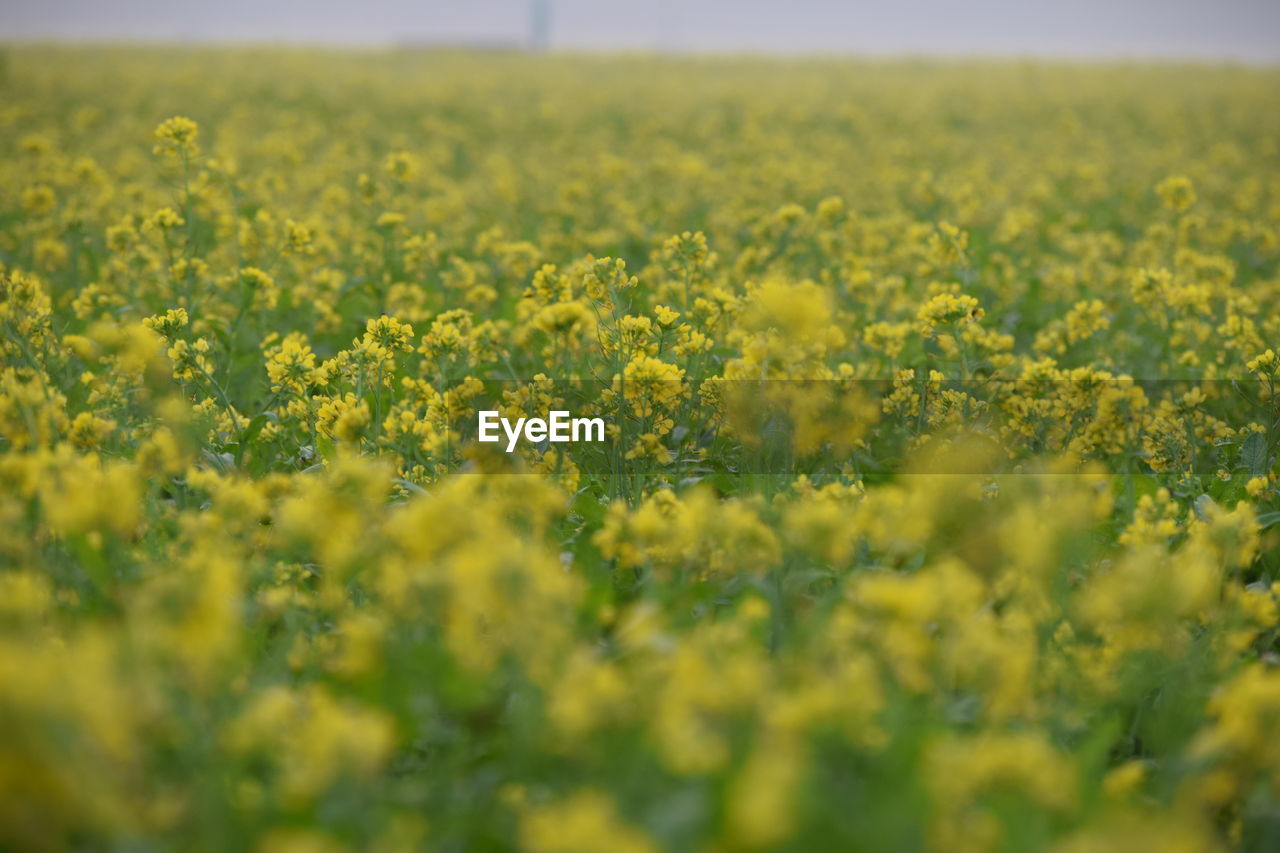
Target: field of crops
[(938, 506)]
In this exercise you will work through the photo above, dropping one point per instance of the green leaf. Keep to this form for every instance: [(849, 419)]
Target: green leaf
[(1204, 507), (90, 559), (1253, 454), (249, 433), (1268, 518)]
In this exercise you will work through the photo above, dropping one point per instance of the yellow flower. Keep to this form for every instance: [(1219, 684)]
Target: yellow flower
[(1256, 486), (177, 136), (1177, 193), (584, 822), (39, 200), (651, 385), (948, 309)]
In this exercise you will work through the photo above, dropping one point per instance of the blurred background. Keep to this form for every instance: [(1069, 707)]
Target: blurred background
[(1231, 30)]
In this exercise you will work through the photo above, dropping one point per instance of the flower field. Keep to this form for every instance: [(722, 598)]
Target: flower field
[(938, 506)]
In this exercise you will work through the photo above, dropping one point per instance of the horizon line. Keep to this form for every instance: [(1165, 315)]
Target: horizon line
[(518, 46)]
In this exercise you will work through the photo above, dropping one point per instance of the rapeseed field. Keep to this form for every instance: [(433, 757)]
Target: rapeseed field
[(937, 506)]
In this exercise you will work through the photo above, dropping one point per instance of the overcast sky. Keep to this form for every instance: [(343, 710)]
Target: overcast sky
[(1204, 29)]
